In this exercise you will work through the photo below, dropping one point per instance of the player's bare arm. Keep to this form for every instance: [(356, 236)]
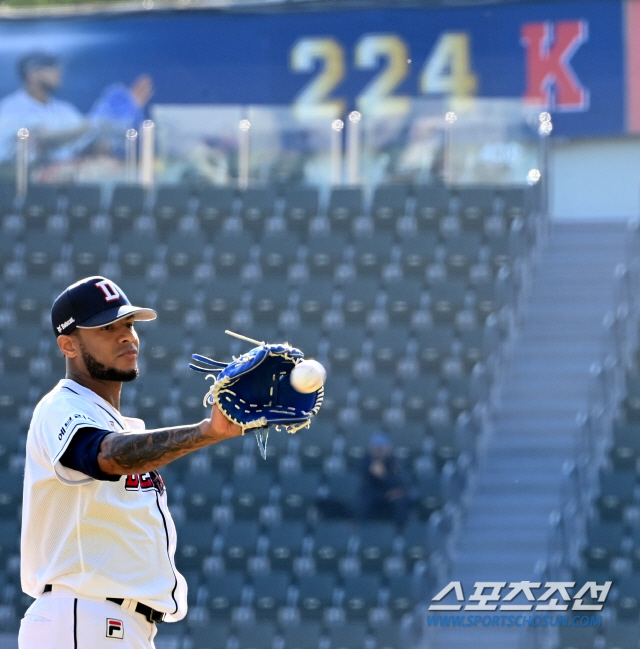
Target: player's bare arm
[(142, 452)]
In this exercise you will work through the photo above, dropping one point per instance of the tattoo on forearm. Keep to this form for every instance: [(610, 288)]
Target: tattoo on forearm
[(138, 451)]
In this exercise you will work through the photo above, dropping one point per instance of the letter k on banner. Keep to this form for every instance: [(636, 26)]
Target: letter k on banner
[(549, 47)]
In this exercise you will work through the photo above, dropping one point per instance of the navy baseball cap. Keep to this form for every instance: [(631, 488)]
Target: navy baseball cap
[(91, 303)]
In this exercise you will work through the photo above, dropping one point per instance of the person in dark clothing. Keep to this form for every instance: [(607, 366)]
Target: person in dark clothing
[(383, 492)]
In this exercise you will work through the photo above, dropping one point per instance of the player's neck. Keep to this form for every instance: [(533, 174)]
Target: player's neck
[(108, 390)]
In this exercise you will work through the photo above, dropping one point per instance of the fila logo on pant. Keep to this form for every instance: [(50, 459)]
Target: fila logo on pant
[(115, 629)]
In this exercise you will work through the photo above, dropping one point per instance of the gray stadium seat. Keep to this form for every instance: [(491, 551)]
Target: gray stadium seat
[(345, 204), (194, 544), (215, 205), (432, 203), (83, 203), (270, 593), (127, 203), (171, 203), (224, 593), (389, 203), (301, 205), (285, 542)]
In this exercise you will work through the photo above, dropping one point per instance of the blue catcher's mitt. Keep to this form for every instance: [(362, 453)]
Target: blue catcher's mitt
[(254, 391)]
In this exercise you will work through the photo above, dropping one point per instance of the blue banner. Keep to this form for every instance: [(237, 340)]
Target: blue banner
[(567, 57)]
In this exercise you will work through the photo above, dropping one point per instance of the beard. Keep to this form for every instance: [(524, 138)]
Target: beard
[(100, 372)]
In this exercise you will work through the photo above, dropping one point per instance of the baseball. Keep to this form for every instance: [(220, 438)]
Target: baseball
[(308, 376)]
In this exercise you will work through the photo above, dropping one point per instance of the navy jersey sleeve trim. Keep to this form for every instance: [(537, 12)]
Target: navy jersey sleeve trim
[(82, 454)]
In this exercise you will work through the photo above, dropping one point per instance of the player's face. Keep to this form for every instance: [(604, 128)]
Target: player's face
[(48, 78), (110, 353)]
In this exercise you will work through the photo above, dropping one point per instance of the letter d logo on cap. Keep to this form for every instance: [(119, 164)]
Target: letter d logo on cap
[(109, 289)]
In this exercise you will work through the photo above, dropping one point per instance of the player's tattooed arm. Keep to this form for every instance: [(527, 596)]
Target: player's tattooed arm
[(142, 452)]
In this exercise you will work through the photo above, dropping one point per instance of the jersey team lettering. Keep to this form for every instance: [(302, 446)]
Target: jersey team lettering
[(77, 419), (145, 482)]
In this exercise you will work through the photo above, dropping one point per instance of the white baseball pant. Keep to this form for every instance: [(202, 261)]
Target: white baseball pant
[(61, 620)]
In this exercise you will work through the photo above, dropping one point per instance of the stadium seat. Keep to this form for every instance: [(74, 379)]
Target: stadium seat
[(285, 542), (389, 203), (171, 203), (389, 346), (622, 635), (258, 204), (34, 299), (315, 592), (432, 203), (345, 204), (270, 593), (447, 299), (175, 298), (7, 198), (371, 252), (127, 203), (42, 251), (90, 252), (194, 545), (215, 205), (351, 635), (403, 594), (476, 203), (325, 252), (250, 492), (277, 251), (462, 251), (301, 205), (184, 252), (231, 252), (204, 636), (268, 299), (299, 491), (315, 299), (83, 203), (339, 502), (403, 299), (359, 297), (137, 253), (161, 345), (224, 593), (513, 202), (419, 395), (10, 496), (240, 539), (259, 635), (201, 493), (576, 637), (374, 395), (360, 594), (376, 543), (317, 441), (40, 202), (305, 635), (418, 250), (390, 636), (221, 299)]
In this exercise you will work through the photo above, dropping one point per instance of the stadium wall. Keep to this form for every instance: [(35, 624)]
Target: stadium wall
[(595, 178)]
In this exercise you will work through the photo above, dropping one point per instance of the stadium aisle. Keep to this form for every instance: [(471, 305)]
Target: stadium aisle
[(518, 483)]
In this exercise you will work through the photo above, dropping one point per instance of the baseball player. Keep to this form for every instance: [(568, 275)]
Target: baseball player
[(98, 541)]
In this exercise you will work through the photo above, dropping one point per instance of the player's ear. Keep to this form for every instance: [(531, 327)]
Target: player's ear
[(68, 345)]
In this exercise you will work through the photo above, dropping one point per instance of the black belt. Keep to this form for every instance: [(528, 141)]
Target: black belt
[(151, 614)]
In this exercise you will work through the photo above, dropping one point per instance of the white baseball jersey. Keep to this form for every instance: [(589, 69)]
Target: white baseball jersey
[(98, 538)]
